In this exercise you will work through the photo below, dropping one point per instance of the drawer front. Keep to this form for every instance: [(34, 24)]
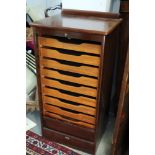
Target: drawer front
[(76, 46), (67, 128), (61, 65), (64, 95), (69, 79), (69, 114), (78, 89), (63, 104), (67, 55), (74, 78), (68, 120), (69, 140)]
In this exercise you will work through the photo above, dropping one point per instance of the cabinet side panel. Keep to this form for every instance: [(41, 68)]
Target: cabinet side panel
[(109, 49)]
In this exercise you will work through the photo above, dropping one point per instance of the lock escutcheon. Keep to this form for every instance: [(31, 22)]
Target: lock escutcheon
[(67, 138)]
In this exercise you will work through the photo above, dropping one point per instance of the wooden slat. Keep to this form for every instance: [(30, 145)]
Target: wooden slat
[(80, 80), (80, 90), (84, 59), (82, 100), (91, 71), (83, 47), (74, 122), (79, 116), (79, 108)]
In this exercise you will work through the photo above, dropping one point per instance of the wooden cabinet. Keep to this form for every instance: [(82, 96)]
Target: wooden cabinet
[(75, 59), (120, 143)]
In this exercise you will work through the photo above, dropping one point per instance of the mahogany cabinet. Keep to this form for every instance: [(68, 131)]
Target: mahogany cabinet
[(75, 54)]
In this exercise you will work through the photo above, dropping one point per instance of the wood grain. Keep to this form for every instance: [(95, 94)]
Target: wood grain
[(76, 23), (83, 47), (79, 80), (90, 13), (80, 90), (91, 71), (79, 108), (84, 59), (67, 120), (81, 117), (82, 100)]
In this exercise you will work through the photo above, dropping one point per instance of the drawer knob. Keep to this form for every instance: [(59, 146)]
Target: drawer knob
[(67, 138)]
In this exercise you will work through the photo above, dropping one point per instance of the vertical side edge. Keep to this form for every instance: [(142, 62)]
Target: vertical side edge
[(109, 49), (36, 51)]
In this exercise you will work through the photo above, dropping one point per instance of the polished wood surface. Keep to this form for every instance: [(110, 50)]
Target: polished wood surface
[(83, 58), (79, 108), (79, 80), (67, 120), (83, 47), (80, 99), (76, 116), (91, 13), (93, 25), (80, 90), (70, 34), (86, 70)]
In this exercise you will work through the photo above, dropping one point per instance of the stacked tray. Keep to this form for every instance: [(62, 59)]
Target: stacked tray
[(69, 79)]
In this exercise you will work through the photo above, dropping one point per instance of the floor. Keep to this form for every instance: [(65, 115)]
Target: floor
[(104, 146)]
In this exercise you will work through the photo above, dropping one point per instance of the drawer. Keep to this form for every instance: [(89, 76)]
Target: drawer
[(70, 114), (70, 44), (69, 87), (68, 55), (64, 95), (69, 140), (68, 120), (72, 106), (62, 65), (67, 128), (68, 76)]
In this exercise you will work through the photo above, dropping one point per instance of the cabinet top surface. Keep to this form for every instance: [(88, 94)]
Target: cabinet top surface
[(93, 25)]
